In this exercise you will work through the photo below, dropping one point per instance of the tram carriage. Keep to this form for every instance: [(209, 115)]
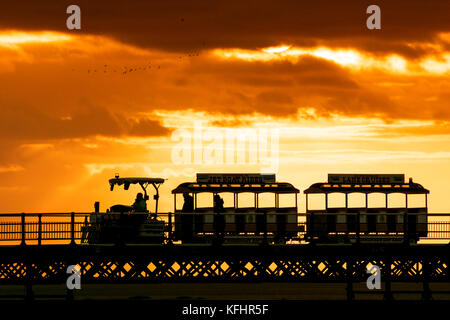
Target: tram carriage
[(238, 224), (364, 224), (256, 223)]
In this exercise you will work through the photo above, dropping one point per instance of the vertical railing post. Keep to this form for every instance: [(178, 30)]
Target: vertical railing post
[(72, 228), (216, 227), (170, 227), (265, 228), (39, 229), (23, 242)]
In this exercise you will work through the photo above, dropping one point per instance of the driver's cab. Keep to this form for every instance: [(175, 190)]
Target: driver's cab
[(144, 183), (125, 223)]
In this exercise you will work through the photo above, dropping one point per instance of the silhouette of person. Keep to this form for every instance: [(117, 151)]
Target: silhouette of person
[(188, 205), (219, 219), (218, 204), (140, 205)]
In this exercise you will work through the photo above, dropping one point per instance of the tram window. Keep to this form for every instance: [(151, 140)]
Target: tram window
[(316, 202), (266, 200), (356, 200), (179, 201), (416, 201), (287, 200), (336, 200), (246, 200), (396, 200), (228, 199), (205, 200), (376, 200)]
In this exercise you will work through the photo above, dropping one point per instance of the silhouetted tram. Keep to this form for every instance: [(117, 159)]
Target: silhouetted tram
[(235, 222), (261, 217), (366, 224)]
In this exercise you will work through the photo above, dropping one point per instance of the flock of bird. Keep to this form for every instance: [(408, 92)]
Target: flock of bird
[(140, 68), (129, 69), (123, 70)]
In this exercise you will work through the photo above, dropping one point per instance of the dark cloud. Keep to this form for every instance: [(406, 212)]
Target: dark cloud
[(278, 89), (195, 25), (280, 103), (27, 123), (146, 128)]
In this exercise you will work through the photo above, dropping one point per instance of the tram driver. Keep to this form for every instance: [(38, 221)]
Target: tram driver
[(140, 205), (188, 205)]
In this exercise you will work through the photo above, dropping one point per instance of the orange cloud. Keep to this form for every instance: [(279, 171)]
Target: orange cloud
[(77, 107)]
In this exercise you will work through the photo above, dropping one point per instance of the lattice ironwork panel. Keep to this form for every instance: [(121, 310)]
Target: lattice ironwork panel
[(407, 269), (12, 270), (439, 269), (159, 263)]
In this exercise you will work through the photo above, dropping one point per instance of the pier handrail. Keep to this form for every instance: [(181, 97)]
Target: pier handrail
[(61, 226)]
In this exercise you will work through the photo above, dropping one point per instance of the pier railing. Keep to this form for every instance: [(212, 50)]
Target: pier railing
[(40, 228), (35, 228)]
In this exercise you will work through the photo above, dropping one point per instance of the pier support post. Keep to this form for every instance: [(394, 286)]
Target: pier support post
[(387, 278), (29, 294), (29, 275), (350, 293), (69, 294), (426, 269)]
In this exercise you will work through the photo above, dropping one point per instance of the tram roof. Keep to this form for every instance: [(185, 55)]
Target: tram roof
[(133, 180), (275, 187), (406, 188)]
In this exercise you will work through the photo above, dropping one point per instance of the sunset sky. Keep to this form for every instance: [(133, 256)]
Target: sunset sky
[(78, 106)]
